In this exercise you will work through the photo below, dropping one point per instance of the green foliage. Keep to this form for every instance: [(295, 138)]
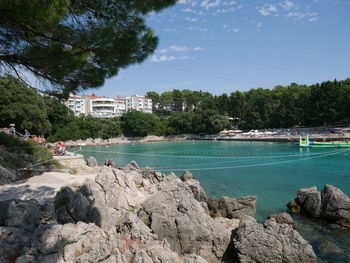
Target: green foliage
[(22, 106), (84, 127), (147, 221), (326, 103), (134, 210), (138, 124), (76, 44), (14, 144)]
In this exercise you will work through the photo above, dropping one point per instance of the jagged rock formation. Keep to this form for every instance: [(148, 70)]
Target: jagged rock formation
[(330, 204), (91, 161), (231, 207), (270, 242), (282, 218), (10, 164), (127, 215), (110, 163)]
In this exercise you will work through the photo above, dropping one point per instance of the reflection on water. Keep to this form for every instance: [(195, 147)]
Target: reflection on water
[(271, 171)]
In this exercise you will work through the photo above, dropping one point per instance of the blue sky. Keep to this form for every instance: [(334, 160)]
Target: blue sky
[(221, 46)]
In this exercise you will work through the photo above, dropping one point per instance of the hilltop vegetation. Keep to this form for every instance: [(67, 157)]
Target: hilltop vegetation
[(180, 112), (326, 103)]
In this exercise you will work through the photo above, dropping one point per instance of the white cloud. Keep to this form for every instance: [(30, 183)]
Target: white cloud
[(163, 58), (229, 3), (175, 48), (210, 4), (200, 29), (236, 30), (313, 19), (310, 16), (267, 9), (191, 19), (286, 5)]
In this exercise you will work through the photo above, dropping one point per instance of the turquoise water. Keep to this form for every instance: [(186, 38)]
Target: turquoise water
[(271, 171)]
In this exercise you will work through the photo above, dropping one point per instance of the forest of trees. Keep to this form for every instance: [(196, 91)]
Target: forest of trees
[(180, 112), (326, 103)]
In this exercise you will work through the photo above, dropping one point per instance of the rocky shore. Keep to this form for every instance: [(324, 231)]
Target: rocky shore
[(330, 204), (134, 214), (127, 140)]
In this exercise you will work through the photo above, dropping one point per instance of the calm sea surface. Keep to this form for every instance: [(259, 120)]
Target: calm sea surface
[(271, 171)]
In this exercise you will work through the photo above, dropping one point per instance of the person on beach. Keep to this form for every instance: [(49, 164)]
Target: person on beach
[(61, 148), (12, 131)]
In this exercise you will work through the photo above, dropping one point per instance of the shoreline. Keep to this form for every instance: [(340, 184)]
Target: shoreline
[(188, 137)]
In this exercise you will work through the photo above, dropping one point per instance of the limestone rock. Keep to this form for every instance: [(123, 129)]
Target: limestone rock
[(71, 206), (91, 162), (7, 175), (270, 242), (282, 218), (335, 206), (196, 188), (110, 163), (83, 242), (213, 205), (311, 200), (182, 221), (187, 176), (132, 166), (330, 204), (238, 208), (19, 213)]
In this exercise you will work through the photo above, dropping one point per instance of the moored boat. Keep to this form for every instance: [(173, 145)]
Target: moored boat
[(315, 144)]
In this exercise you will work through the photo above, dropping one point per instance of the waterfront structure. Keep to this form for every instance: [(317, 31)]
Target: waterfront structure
[(140, 103), (120, 105), (76, 104), (100, 107), (104, 107)]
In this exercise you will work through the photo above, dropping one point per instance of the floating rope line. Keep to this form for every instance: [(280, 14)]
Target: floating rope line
[(204, 157), (31, 167), (253, 165)]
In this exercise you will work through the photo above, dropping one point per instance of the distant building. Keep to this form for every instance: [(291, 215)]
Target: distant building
[(76, 104), (139, 103), (120, 105), (104, 107), (100, 107)]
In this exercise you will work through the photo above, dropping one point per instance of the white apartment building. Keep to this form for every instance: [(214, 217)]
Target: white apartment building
[(139, 103), (104, 107), (76, 104), (120, 106), (100, 107)]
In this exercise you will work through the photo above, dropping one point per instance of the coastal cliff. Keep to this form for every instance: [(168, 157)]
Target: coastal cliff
[(141, 215)]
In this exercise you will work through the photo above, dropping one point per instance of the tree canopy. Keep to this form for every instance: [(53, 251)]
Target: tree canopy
[(22, 107), (75, 44)]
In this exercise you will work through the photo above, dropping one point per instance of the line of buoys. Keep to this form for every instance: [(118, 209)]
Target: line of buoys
[(204, 157), (252, 165)]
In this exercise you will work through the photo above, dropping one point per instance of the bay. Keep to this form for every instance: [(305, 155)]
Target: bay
[(271, 171)]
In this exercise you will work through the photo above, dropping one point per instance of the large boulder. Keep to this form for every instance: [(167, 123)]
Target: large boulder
[(282, 218), (110, 163), (237, 208), (19, 213), (195, 186), (335, 206), (91, 162), (330, 204), (270, 242), (176, 216), (8, 175), (83, 242)]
